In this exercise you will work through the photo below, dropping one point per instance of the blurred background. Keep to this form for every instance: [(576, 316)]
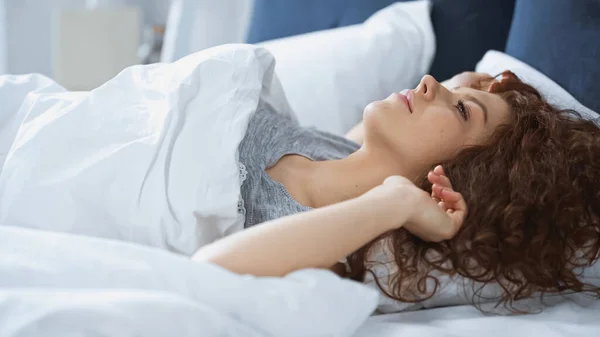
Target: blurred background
[(83, 43), (79, 43)]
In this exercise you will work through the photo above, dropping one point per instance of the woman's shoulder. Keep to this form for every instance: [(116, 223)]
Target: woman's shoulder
[(266, 135), (273, 135), (269, 127), (268, 116)]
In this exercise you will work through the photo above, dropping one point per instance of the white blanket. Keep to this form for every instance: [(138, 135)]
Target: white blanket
[(56, 284), (149, 157)]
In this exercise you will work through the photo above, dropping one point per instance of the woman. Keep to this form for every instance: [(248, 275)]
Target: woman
[(530, 175)]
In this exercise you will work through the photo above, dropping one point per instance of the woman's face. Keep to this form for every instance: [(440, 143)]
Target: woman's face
[(431, 123)]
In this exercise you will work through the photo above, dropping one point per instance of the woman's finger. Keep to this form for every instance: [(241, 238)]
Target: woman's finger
[(433, 177), (455, 201), (443, 206), (448, 194), (457, 207), (457, 217), (436, 191), (439, 180), (439, 170), (444, 181)]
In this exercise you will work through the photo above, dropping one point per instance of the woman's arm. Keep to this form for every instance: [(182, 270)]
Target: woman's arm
[(320, 238), (315, 239)]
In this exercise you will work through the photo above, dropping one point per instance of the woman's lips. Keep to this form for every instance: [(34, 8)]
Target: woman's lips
[(406, 96)]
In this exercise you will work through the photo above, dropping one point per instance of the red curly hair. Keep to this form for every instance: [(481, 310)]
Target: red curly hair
[(533, 193)]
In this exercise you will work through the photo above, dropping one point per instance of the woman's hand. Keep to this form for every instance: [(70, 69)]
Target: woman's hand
[(449, 200), (432, 218), (438, 217), (391, 202)]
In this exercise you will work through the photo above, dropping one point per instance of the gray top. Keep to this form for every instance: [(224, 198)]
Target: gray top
[(269, 137)]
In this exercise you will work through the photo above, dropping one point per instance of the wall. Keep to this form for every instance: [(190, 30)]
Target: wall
[(3, 61), (196, 25), (29, 29)]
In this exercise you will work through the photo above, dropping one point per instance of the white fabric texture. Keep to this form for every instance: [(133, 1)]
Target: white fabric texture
[(57, 284), (330, 76), (149, 157), (495, 62), (17, 92), (566, 319)]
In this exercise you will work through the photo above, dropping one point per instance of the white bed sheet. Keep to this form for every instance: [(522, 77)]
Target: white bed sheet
[(567, 319)]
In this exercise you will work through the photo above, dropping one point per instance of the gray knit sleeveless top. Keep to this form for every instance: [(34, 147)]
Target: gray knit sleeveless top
[(269, 137)]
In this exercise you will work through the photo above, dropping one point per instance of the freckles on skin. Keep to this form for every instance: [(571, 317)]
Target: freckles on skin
[(434, 140), (445, 138)]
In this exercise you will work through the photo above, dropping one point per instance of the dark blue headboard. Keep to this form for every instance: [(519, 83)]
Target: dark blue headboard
[(561, 39), (274, 19), (465, 29)]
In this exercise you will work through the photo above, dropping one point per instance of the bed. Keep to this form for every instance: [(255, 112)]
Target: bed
[(89, 282), (566, 319), (474, 26)]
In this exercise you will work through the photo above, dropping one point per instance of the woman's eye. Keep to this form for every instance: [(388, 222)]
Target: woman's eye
[(463, 110)]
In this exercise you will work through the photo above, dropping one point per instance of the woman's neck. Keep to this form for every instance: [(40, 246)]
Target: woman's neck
[(328, 182)]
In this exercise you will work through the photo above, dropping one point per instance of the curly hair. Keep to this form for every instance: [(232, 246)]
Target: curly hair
[(533, 192)]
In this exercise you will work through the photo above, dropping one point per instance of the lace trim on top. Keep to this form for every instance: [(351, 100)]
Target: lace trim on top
[(243, 173)]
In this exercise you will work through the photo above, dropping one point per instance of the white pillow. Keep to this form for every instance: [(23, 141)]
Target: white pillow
[(495, 62), (330, 76)]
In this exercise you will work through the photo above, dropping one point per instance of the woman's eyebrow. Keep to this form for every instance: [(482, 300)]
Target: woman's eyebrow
[(481, 105)]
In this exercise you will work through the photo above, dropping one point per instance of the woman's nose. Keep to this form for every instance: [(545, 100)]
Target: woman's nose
[(428, 87)]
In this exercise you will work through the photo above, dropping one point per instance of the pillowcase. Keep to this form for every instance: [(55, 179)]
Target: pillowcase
[(330, 76), (495, 62), (562, 40)]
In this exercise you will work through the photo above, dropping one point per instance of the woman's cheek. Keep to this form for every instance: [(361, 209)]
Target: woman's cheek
[(448, 134), (376, 107)]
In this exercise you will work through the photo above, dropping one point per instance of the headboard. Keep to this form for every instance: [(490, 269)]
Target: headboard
[(274, 19), (465, 29)]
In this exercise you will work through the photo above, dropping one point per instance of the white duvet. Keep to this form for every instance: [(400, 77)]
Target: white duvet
[(56, 285), (149, 157)]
